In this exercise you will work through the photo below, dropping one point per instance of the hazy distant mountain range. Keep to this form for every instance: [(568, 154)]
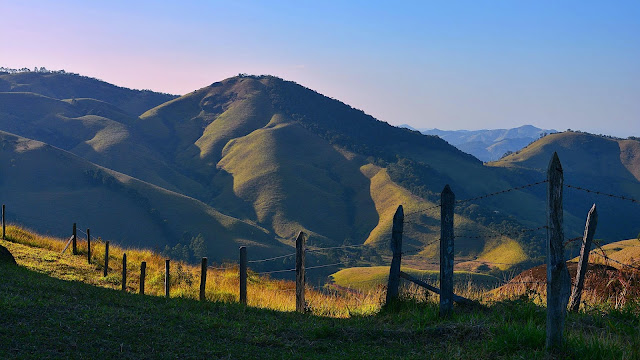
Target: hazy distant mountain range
[(489, 145), (252, 160)]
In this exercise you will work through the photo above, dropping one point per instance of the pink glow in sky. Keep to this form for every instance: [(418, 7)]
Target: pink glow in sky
[(459, 65)]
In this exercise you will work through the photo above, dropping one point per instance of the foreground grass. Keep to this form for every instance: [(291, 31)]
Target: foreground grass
[(44, 317)]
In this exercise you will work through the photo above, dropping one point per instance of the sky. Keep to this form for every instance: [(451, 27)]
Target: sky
[(430, 64)]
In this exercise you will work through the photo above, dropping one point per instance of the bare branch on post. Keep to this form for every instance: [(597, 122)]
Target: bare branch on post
[(587, 238), (243, 275), (558, 280), (447, 201), (396, 248), (300, 280)]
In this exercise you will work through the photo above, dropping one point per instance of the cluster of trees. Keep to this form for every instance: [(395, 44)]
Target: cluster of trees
[(35, 69), (190, 249)]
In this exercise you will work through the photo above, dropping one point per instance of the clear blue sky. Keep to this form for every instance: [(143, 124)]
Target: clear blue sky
[(445, 64)]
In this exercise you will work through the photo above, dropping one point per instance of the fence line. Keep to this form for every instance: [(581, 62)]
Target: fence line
[(621, 197)]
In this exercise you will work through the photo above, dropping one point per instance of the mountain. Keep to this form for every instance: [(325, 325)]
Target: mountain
[(261, 159), (490, 145), (596, 163), (49, 188), (60, 86)]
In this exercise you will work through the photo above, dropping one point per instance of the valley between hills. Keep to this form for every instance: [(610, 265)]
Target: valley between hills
[(253, 160)]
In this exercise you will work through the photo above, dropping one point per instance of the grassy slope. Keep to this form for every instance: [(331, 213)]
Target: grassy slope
[(594, 162), (83, 321), (68, 86), (122, 209)]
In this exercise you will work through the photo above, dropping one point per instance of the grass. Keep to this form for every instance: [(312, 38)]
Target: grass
[(46, 316)]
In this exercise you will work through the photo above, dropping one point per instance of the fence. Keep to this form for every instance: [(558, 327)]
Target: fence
[(562, 292)]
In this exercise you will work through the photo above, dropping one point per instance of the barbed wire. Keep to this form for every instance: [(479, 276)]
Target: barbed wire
[(602, 193), (499, 234), (323, 266), (275, 271), (501, 192), (333, 248), (270, 259), (422, 210)]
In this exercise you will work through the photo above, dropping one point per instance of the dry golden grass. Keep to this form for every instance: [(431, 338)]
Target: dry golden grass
[(44, 254)]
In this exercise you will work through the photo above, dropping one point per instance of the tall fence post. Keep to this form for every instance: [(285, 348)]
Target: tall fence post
[(587, 238), (74, 244), (243, 275), (300, 280), (106, 258), (166, 278), (203, 279), (124, 272), (558, 280), (447, 202), (396, 248), (4, 224), (143, 275), (89, 246)]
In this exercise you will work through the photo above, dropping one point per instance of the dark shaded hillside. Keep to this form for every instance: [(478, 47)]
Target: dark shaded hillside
[(596, 163), (48, 188), (70, 86)]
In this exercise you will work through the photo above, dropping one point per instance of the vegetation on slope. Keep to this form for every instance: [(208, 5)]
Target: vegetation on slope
[(84, 321)]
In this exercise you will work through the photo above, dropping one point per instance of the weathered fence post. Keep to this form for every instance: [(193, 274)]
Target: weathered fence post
[(124, 272), (106, 259), (89, 246), (4, 228), (300, 281), (558, 280), (243, 275), (166, 278), (203, 278), (587, 238), (447, 202), (396, 248), (74, 245), (143, 275)]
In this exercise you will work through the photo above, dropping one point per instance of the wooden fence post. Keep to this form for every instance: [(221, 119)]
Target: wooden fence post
[(124, 272), (203, 279), (74, 245), (587, 238), (300, 280), (89, 246), (396, 247), (166, 278), (243, 275), (4, 228), (447, 202), (143, 275), (558, 280), (106, 258)]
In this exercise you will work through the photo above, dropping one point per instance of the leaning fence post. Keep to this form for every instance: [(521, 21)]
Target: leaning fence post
[(587, 238), (4, 228), (88, 246), (558, 281), (166, 278), (106, 259), (447, 202), (300, 247), (243, 275), (203, 278), (396, 248), (124, 272), (143, 274), (74, 246)]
